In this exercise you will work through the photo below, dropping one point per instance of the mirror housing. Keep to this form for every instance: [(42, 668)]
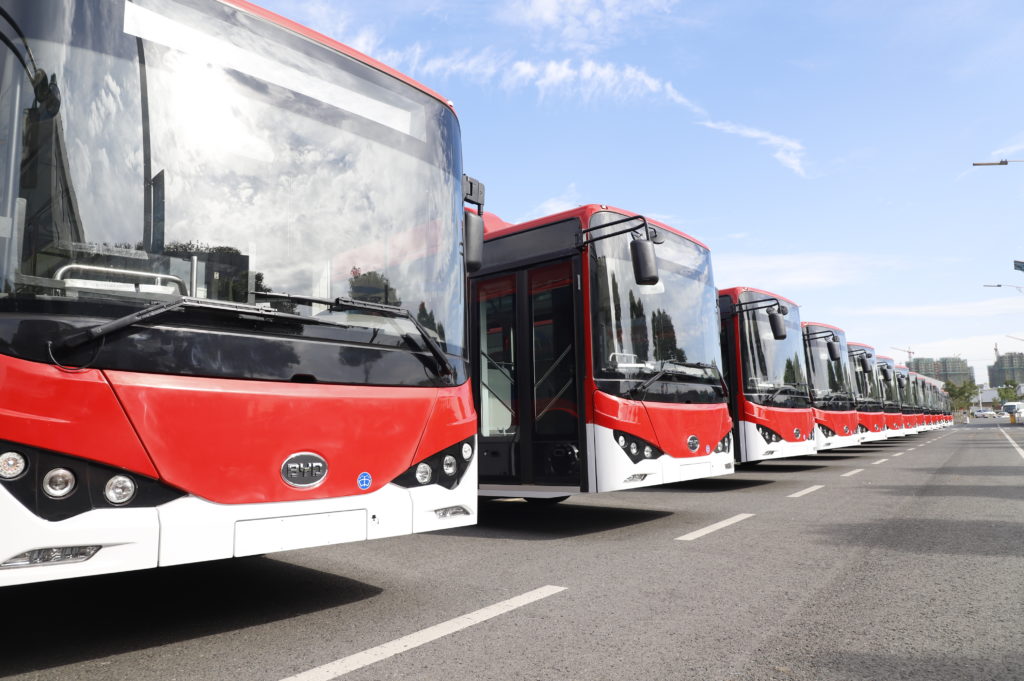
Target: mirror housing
[(778, 324), (645, 262), (833, 350), (865, 365), (474, 236), (886, 373)]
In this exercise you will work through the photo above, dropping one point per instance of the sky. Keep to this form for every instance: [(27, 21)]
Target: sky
[(822, 149)]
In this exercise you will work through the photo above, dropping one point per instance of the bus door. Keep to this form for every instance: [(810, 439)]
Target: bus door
[(527, 376)]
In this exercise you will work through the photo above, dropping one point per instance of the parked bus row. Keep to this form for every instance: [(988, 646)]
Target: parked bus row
[(606, 359), (243, 310)]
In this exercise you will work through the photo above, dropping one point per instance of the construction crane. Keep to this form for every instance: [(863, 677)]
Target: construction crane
[(910, 353), (1014, 337)]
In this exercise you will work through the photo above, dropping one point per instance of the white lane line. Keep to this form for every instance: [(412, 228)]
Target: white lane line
[(899, 454), (813, 488), (697, 534), (853, 472), (875, 463), (1015, 445), (332, 670)]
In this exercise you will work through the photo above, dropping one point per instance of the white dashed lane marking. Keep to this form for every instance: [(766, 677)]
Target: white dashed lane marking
[(697, 534)]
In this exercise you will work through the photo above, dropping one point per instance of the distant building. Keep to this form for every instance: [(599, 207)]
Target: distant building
[(1008, 367), (922, 365), (946, 369)]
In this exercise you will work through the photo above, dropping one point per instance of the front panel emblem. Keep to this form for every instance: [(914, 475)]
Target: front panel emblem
[(796, 433), (304, 470), (364, 481), (693, 442)]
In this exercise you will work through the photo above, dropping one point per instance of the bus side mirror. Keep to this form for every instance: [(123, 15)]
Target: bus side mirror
[(865, 365), (886, 374), (833, 350), (645, 262), (474, 242), (778, 324)]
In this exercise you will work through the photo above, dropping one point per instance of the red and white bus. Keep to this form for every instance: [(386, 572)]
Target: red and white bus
[(909, 400), (592, 372), (767, 374), (892, 399), (871, 422), (232, 315), (831, 389)]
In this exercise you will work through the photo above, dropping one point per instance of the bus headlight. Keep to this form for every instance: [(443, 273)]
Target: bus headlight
[(725, 444), (769, 435), (637, 449), (444, 468), (12, 465), (59, 483), (120, 489)]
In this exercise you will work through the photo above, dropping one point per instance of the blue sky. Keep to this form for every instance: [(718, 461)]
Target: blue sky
[(821, 149)]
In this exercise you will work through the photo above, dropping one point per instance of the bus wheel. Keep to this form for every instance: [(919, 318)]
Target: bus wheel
[(546, 501)]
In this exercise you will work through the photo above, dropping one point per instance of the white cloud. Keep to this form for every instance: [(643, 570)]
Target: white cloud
[(1008, 151), (581, 26), (782, 272), (569, 198), (788, 152), (993, 307)]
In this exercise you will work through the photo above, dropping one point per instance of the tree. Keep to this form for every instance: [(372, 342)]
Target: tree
[(962, 396), (1008, 392)]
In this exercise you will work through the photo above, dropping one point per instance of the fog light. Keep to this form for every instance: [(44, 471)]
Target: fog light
[(451, 511), (449, 465), (58, 483), (12, 464), (423, 473), (467, 451), (120, 489), (51, 556)]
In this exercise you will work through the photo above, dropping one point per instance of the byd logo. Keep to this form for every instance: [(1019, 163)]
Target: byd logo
[(304, 470)]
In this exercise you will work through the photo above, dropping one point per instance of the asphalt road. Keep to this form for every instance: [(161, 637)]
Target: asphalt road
[(911, 568)]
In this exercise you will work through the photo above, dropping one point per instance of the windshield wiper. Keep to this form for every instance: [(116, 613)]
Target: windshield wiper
[(665, 364), (80, 337), (793, 387), (445, 369)]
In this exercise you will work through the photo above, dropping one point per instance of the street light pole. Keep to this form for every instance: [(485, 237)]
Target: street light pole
[(1020, 289)]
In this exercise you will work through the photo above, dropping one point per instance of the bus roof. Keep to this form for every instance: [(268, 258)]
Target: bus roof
[(823, 325), (500, 228), (334, 45), (735, 291), (861, 345)]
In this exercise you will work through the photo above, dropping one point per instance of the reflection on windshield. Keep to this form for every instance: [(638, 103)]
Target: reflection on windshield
[(829, 380), (670, 328), (866, 383), (183, 160)]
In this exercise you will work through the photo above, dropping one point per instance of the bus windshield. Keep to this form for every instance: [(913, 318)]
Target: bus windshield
[(889, 388), (830, 380), (666, 333), (866, 383), (188, 148), (773, 370)]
